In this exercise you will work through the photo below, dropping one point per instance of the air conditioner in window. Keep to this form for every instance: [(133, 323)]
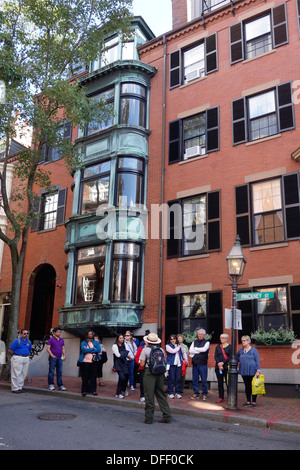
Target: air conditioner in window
[(193, 151), (192, 75)]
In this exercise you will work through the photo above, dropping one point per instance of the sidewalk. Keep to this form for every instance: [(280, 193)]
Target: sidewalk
[(281, 414)]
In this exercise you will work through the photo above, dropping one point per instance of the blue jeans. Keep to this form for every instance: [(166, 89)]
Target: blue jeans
[(174, 379), (131, 373), (55, 363), (202, 372)]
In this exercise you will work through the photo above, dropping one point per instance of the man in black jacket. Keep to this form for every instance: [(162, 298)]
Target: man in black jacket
[(199, 353)]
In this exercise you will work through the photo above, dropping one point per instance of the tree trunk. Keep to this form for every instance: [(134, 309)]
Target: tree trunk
[(13, 323)]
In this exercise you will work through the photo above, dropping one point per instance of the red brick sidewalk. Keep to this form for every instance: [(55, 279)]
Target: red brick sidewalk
[(271, 413)]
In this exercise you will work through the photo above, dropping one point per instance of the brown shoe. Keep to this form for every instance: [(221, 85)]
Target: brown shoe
[(147, 422), (164, 420)]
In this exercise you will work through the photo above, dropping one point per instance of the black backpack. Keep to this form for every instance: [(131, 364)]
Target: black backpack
[(157, 361)]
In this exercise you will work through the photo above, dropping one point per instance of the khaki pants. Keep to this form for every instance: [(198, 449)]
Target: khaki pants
[(154, 387), (19, 371)]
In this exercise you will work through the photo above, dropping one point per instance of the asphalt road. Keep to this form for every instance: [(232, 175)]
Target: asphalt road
[(26, 423)]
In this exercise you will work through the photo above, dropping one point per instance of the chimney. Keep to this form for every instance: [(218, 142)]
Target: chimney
[(179, 13)]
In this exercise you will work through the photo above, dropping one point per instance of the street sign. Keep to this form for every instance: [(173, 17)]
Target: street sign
[(255, 296)]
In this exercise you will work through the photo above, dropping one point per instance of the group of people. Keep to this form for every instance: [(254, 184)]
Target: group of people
[(130, 358), (247, 357)]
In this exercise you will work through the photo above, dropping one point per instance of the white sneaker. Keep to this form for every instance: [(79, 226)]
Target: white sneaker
[(63, 388), (178, 395), (51, 387), (142, 399), (171, 395), (120, 396), (132, 387), (126, 393)]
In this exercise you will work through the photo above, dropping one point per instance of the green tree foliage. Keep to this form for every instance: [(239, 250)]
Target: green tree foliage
[(40, 43)]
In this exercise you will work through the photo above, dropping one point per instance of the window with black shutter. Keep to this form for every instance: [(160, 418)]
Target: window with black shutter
[(174, 141), (172, 316), (53, 153), (236, 43), (259, 35), (239, 125), (273, 216), (294, 291), (279, 20), (194, 225), (285, 107), (242, 214), (292, 205), (175, 69), (214, 317), (262, 115), (174, 232), (198, 310), (213, 221), (193, 136), (194, 62), (49, 209)]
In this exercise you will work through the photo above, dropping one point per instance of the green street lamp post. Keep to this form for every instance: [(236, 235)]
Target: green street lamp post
[(236, 262)]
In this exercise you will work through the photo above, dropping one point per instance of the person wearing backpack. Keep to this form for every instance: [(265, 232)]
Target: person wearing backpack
[(153, 359)]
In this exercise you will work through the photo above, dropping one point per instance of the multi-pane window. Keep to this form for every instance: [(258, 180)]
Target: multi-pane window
[(193, 62), (133, 104), (126, 272), (193, 136), (268, 211), (109, 54), (49, 211), (262, 115), (105, 119), (258, 35), (194, 225), (194, 133), (258, 38), (271, 313), (95, 186), (54, 152), (130, 182), (90, 274), (191, 311)]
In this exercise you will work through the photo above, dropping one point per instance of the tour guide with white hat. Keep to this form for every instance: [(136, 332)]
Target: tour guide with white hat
[(153, 384)]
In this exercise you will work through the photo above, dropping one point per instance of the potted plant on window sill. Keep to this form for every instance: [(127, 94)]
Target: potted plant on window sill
[(280, 336)]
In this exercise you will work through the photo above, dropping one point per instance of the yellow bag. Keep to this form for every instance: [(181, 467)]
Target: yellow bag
[(258, 385)]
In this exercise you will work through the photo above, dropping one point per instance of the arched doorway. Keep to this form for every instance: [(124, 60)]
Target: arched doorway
[(42, 302)]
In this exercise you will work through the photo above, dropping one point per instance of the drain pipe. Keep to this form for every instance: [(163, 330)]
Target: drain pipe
[(161, 254)]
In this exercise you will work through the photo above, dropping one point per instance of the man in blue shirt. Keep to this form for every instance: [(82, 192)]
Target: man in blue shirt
[(19, 350)]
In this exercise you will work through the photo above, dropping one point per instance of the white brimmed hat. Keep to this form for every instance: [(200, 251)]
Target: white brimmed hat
[(152, 338)]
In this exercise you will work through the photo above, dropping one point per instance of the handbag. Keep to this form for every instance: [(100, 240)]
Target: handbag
[(258, 385), (104, 357)]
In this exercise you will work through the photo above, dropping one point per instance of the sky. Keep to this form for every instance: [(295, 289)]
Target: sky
[(156, 13)]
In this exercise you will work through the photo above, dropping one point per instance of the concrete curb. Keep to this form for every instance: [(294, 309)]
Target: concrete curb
[(226, 416)]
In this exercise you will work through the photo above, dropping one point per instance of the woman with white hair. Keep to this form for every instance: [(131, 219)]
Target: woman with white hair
[(222, 357)]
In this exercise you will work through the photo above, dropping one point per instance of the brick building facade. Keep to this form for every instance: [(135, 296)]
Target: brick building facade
[(227, 80), (220, 152)]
